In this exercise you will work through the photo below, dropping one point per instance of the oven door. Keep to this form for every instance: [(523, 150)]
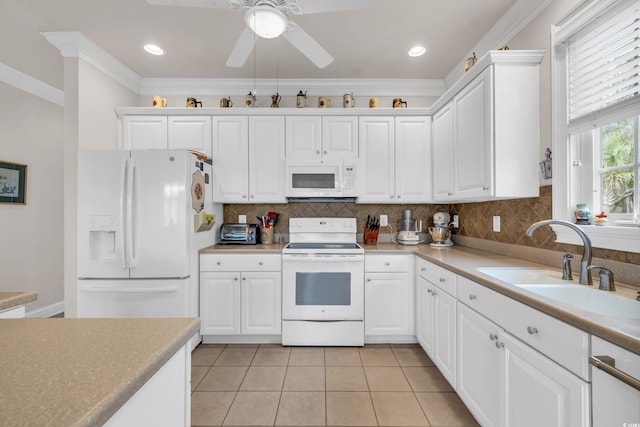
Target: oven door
[(322, 287)]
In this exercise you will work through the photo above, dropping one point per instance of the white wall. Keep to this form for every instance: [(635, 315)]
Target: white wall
[(537, 35), (31, 254)]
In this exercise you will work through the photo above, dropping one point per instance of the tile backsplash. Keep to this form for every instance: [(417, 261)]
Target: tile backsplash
[(475, 219)]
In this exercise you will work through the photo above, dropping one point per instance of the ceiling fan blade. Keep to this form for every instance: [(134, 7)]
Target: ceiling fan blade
[(242, 49), (218, 4), (319, 6), (308, 46)]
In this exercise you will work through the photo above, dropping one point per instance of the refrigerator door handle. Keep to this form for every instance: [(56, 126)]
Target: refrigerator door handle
[(132, 290), (121, 218), (129, 214)]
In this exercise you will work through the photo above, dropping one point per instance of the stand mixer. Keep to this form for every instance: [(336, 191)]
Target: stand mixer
[(408, 234), (440, 232)]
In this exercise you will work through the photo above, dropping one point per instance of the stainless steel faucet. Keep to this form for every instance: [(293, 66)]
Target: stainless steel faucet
[(585, 273)]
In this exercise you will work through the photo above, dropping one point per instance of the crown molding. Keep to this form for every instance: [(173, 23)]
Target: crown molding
[(514, 20), (73, 44), (31, 85), (290, 87)]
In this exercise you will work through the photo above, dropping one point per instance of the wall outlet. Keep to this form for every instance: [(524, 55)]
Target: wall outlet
[(496, 223), (455, 221), (242, 219), (384, 220)]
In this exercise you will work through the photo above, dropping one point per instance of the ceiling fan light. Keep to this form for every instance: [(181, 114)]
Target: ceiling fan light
[(266, 21)]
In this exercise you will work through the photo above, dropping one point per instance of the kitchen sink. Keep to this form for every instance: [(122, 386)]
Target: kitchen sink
[(525, 275), (588, 298)]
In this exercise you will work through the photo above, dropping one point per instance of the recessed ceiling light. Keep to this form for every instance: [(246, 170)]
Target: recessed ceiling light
[(153, 49), (417, 51)]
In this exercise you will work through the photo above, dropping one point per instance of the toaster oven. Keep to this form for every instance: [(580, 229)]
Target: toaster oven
[(239, 234)]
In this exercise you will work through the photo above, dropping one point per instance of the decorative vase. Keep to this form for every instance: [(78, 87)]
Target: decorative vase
[(582, 213)]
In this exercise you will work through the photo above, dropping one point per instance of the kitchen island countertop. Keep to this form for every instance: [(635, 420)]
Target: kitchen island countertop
[(14, 299), (79, 372)]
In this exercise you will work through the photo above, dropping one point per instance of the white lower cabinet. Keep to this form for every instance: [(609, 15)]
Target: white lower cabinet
[(479, 366), (246, 302), (436, 330), (18, 312), (536, 391), (504, 376), (389, 298), (615, 403)]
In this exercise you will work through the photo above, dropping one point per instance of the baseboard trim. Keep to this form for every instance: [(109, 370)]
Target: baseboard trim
[(47, 311)]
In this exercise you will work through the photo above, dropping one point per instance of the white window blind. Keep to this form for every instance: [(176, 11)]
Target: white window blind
[(604, 65)]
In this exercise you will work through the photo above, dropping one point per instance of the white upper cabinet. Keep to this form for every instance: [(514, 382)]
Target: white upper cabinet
[(229, 158), (376, 162), (143, 132), (442, 157), (412, 159), (321, 138), (394, 160), (248, 159), (486, 136), (190, 133), (340, 137), (266, 159), (166, 132)]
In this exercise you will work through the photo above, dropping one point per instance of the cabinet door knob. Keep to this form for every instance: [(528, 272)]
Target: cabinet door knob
[(472, 296), (235, 279), (434, 293), (493, 337), (244, 196), (499, 344), (485, 188), (252, 196), (449, 194), (429, 291), (368, 280), (244, 278), (387, 263), (532, 330), (397, 197), (260, 263), (317, 151), (442, 280), (423, 269), (219, 263), (325, 152), (391, 197)]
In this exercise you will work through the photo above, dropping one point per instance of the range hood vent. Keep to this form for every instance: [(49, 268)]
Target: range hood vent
[(321, 199)]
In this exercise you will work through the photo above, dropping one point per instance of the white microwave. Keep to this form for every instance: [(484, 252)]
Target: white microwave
[(331, 179)]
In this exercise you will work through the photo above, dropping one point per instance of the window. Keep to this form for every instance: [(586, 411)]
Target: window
[(596, 103)]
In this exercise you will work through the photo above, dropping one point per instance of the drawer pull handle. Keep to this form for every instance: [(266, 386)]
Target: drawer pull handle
[(442, 280), (499, 344), (532, 330), (472, 296), (608, 365), (219, 263), (260, 263), (423, 269), (493, 337)]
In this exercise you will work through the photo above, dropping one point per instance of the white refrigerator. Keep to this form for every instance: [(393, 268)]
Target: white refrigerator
[(142, 217)]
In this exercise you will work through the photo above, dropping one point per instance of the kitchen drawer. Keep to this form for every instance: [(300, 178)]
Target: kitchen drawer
[(240, 262), (441, 277), (386, 263), (563, 343)]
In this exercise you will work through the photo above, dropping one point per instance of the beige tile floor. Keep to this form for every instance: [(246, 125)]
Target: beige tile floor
[(267, 385)]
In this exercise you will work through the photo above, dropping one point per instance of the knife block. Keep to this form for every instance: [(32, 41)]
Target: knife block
[(370, 237)]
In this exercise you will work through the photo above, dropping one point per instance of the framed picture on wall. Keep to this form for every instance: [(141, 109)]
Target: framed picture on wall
[(13, 183)]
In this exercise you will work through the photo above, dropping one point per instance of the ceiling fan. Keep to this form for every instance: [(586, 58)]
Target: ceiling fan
[(269, 19)]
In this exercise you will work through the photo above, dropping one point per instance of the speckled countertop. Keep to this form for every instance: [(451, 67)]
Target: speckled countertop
[(79, 372), (465, 261), (13, 299)]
